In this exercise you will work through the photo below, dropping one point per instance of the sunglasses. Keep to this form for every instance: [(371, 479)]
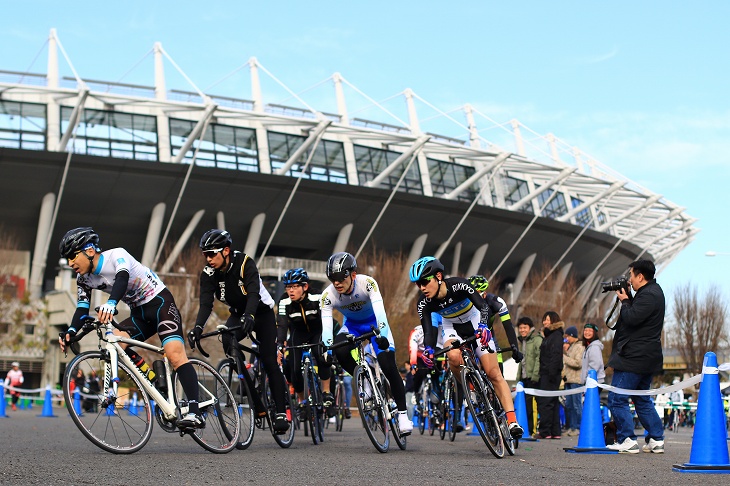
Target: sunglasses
[(71, 260), (339, 276), (212, 253), (423, 281)]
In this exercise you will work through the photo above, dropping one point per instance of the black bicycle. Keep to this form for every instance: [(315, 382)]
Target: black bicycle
[(428, 406), (314, 412), (341, 410), (253, 392), (449, 406)]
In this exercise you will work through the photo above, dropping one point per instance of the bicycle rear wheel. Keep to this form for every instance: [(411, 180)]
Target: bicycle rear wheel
[(310, 396), (102, 417), (286, 439), (217, 405), (373, 418), (484, 418), (339, 405), (387, 394), (228, 371)]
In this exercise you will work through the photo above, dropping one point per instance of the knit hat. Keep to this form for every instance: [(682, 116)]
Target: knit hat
[(591, 326), (572, 331)]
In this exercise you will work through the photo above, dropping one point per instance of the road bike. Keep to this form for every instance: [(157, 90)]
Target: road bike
[(253, 392), (482, 400), (378, 410), (428, 406), (312, 406), (449, 406), (341, 410), (119, 418)]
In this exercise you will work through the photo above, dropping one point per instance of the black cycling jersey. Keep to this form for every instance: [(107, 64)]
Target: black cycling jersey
[(303, 317), (460, 298), (239, 286)]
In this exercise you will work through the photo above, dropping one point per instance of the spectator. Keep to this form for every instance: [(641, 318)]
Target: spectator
[(593, 355), (551, 368), (92, 388), (636, 357), (409, 372), (14, 378), (676, 398), (572, 362), (528, 371)]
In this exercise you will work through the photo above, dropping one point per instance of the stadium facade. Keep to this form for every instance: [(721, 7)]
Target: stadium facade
[(297, 184)]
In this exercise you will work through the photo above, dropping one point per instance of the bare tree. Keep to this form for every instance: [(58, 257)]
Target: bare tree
[(699, 324)]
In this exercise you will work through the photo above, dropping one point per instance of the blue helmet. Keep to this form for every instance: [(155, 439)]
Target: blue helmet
[(295, 276), (425, 267)]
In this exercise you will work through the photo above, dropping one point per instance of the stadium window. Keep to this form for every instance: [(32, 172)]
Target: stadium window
[(515, 190), (556, 207), (371, 162), (327, 164), (447, 176), (23, 125), (222, 146), (584, 217), (29, 329), (107, 133)]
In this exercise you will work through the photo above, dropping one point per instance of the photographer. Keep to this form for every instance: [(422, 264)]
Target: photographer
[(636, 357)]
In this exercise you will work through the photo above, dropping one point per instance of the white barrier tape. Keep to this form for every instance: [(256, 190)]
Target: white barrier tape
[(32, 390), (655, 391)]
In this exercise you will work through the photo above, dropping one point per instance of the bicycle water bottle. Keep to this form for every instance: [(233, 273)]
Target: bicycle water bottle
[(159, 369), (140, 363)]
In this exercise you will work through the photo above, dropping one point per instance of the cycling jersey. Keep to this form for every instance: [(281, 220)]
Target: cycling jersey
[(415, 339), (239, 286), (362, 308), (457, 307), (143, 284), (299, 317)]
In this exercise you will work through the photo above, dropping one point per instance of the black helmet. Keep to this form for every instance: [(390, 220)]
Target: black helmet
[(215, 239), (77, 240), (340, 265), (295, 276), (425, 267)]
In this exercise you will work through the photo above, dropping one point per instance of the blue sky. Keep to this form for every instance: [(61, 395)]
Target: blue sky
[(640, 86)]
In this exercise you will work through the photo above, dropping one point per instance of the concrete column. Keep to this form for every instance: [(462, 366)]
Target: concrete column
[(53, 117), (258, 102), (518, 137), (343, 238), (40, 252), (562, 275), (417, 249), (522, 276), (474, 140), (477, 259), (182, 241), (163, 121), (254, 235), (457, 258), (262, 146), (153, 235), (220, 220), (340, 96)]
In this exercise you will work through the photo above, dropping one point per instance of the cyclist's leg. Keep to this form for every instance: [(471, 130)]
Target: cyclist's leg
[(344, 354), (265, 329), (295, 356)]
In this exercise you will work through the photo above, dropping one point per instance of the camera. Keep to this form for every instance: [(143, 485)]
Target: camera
[(617, 283)]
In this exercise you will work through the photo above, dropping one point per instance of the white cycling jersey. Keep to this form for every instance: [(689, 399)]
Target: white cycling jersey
[(143, 283)]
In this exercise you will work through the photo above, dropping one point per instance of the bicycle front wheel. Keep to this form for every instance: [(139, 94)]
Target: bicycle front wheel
[(484, 418), (373, 418), (387, 394), (120, 423), (217, 406), (509, 442), (311, 408), (339, 405), (286, 439), (451, 406), (228, 371)]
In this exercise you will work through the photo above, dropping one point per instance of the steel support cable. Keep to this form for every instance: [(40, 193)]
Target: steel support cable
[(466, 214), (534, 219), (132, 68), (387, 203), (32, 63), (565, 253), (258, 64), (291, 194), (180, 194)]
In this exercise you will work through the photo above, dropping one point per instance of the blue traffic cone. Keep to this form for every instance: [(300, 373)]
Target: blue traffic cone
[(591, 439), (133, 404), (47, 404), (521, 411), (709, 452), (77, 401), (21, 403), (2, 400)]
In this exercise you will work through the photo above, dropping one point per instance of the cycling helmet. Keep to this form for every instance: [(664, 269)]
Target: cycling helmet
[(76, 240), (479, 282), (215, 239), (425, 267), (340, 265), (295, 276)]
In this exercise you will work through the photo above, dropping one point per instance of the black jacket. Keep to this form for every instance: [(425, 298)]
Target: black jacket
[(637, 345), (302, 317), (551, 351)]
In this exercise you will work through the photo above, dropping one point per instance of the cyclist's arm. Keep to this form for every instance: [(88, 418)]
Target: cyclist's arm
[(376, 299), (325, 307), (430, 333), (251, 285), (283, 323), (499, 306), (121, 280), (207, 294), (414, 343)]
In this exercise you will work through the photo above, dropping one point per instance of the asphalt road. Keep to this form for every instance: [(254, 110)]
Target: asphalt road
[(42, 450)]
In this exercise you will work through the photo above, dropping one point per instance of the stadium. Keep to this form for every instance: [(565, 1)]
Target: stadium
[(149, 166)]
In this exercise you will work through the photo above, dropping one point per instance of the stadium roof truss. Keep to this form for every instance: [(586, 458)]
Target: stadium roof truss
[(590, 193)]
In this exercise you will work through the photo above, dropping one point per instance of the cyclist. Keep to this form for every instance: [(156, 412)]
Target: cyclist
[(422, 365), (359, 300), (153, 309), (233, 278), (464, 312), (299, 315)]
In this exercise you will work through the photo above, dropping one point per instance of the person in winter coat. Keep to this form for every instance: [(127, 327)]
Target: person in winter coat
[(572, 361), (551, 372), (593, 355), (528, 371)]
